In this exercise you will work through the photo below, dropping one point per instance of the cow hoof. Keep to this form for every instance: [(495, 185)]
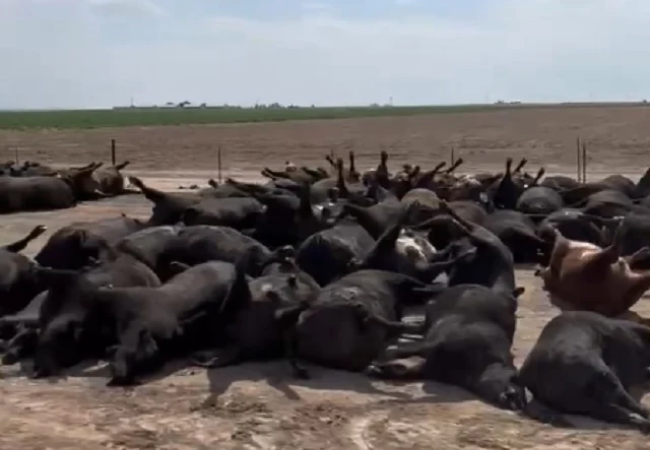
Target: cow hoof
[(375, 371), (513, 399)]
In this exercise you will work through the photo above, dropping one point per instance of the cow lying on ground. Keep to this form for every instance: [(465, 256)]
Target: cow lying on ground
[(70, 329), (583, 276), (468, 336), (584, 363), (18, 281)]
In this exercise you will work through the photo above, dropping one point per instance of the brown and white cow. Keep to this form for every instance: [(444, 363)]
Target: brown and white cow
[(584, 276)]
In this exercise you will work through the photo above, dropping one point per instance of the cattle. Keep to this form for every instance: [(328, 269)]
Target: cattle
[(20, 330), (153, 323), (37, 193), (334, 330), (539, 200), (260, 313), (404, 251), (19, 282), (468, 337), (518, 233), (168, 208), (75, 245), (583, 276), (576, 225), (329, 268), (69, 327), (202, 243), (492, 265), (326, 255), (238, 213), (585, 363), (151, 246), (110, 181)]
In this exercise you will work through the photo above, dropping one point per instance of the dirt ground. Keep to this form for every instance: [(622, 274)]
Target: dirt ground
[(259, 406)]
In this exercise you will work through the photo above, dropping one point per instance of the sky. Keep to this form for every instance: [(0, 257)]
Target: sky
[(101, 53)]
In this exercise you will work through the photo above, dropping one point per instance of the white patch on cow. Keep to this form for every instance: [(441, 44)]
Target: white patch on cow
[(349, 293), (266, 287), (318, 209), (415, 248)]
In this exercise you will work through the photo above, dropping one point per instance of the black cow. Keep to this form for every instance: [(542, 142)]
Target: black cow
[(201, 243), (492, 265), (585, 363), (155, 323), (236, 212), (335, 330), (260, 313), (75, 245), (46, 192), (467, 342), (69, 327), (19, 282)]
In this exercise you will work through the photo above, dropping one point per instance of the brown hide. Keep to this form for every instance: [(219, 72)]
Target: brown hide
[(583, 276)]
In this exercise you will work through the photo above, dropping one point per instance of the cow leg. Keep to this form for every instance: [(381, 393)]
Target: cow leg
[(618, 414), (395, 370), (286, 319), (611, 402), (291, 352), (21, 345), (638, 256), (465, 226), (607, 256), (220, 358)]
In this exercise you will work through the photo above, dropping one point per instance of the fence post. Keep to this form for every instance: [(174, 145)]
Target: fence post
[(579, 168), (453, 158), (113, 158), (219, 167), (16, 155), (584, 162)]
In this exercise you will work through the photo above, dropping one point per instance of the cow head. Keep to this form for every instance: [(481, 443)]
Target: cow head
[(137, 349), (82, 182), (63, 320)]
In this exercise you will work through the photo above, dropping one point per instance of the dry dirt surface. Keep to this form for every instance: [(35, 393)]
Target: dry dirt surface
[(258, 405)]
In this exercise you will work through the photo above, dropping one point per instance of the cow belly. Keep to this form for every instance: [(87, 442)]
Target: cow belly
[(607, 296)]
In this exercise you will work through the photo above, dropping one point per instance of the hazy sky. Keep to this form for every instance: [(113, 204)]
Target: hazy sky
[(95, 53)]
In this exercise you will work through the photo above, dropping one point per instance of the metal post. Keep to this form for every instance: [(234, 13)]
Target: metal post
[(219, 167), (113, 157), (453, 158), (584, 162), (579, 168)]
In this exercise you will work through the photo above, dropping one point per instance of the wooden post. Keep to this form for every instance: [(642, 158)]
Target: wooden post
[(453, 159), (585, 161), (579, 168), (219, 167), (113, 157)]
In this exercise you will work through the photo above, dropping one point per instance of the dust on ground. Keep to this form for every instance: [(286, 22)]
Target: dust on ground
[(259, 405)]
